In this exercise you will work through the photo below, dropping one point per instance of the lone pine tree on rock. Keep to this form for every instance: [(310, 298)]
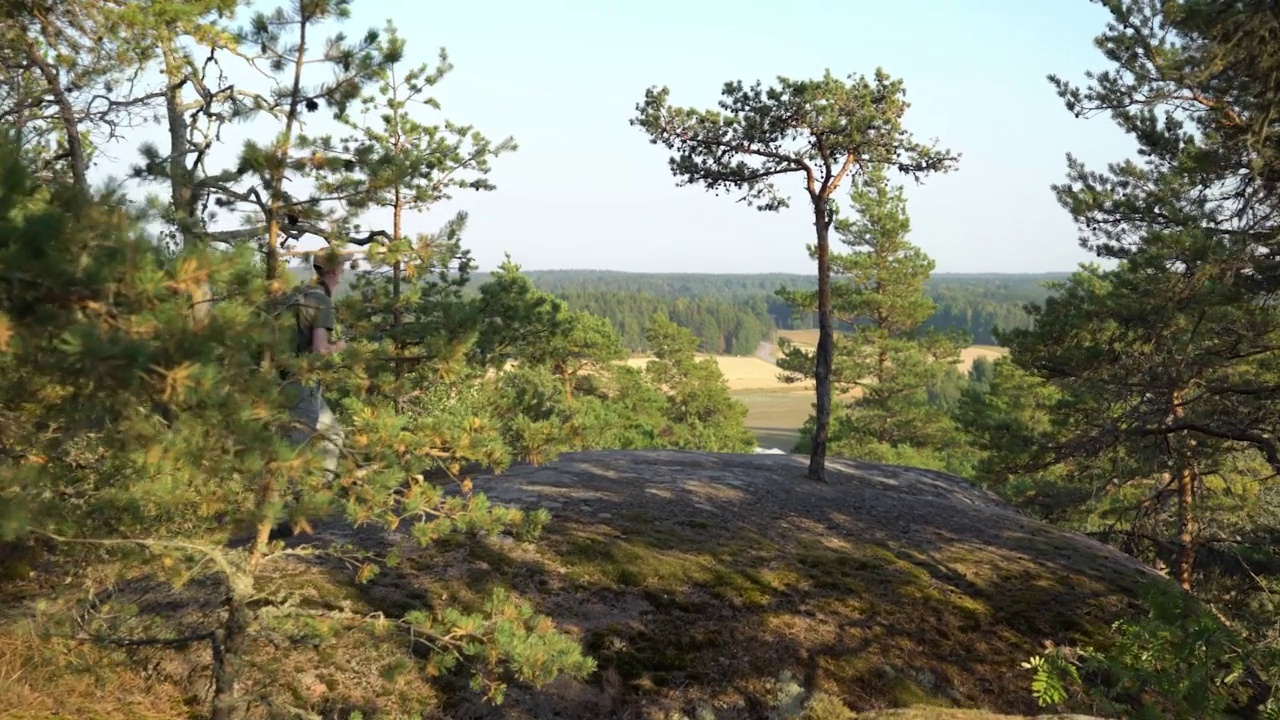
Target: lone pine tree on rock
[(822, 130), (888, 354)]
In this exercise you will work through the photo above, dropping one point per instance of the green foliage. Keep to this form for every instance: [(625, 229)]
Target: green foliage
[(74, 54), (101, 335), (817, 130), (1166, 364), (525, 640), (139, 423), (794, 127), (523, 323), (723, 326), (1150, 387), (125, 436), (1053, 675), (900, 372), (699, 413), (402, 162), (562, 378), (883, 274), (1178, 661), (1008, 422), (971, 304)]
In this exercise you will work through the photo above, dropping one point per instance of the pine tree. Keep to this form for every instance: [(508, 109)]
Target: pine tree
[(555, 351), (199, 101), (700, 412), (820, 131), (405, 166), (94, 332), (71, 56), (1009, 421), (887, 360), (286, 40), (1170, 360), (1145, 358)]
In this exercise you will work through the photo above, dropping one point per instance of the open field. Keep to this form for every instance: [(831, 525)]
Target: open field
[(754, 374), (776, 410), (973, 352), (775, 416)]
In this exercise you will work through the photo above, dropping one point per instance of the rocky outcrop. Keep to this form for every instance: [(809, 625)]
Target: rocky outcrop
[(696, 578)]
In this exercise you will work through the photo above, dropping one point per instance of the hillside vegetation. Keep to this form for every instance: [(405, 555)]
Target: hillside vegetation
[(462, 495)]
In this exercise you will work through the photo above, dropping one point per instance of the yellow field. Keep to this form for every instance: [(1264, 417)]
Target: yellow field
[(754, 374), (744, 373), (776, 410), (973, 352)]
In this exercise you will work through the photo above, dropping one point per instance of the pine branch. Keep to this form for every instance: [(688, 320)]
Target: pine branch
[(214, 554), (1267, 445), (293, 232)]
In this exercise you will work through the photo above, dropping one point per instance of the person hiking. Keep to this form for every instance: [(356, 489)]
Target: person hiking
[(315, 325)]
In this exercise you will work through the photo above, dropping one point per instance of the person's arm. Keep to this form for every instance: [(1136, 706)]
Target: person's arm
[(320, 341)]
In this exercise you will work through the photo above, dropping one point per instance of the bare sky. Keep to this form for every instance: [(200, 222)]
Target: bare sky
[(587, 190)]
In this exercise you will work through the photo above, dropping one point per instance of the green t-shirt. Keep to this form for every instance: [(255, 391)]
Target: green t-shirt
[(314, 310)]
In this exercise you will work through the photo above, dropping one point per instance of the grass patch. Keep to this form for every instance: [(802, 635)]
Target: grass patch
[(775, 417), (46, 673), (861, 620), (58, 678), (676, 565)]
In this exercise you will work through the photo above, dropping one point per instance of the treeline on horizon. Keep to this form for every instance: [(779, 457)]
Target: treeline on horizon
[(732, 314)]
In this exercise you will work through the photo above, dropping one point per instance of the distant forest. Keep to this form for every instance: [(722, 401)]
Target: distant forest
[(733, 313)]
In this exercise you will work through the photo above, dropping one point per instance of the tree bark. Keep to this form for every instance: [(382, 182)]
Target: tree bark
[(1186, 498), (276, 203), (826, 343), (1186, 527), (397, 319), (66, 111), (228, 653), (397, 215), (182, 192)]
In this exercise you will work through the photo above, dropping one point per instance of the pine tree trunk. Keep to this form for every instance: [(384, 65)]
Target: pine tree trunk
[(273, 243), (826, 343), (1186, 498), (1186, 527), (286, 144), (397, 347), (66, 112), (228, 653), (182, 194), (397, 332)]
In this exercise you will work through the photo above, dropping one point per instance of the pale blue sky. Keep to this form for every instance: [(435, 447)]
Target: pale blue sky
[(587, 190)]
